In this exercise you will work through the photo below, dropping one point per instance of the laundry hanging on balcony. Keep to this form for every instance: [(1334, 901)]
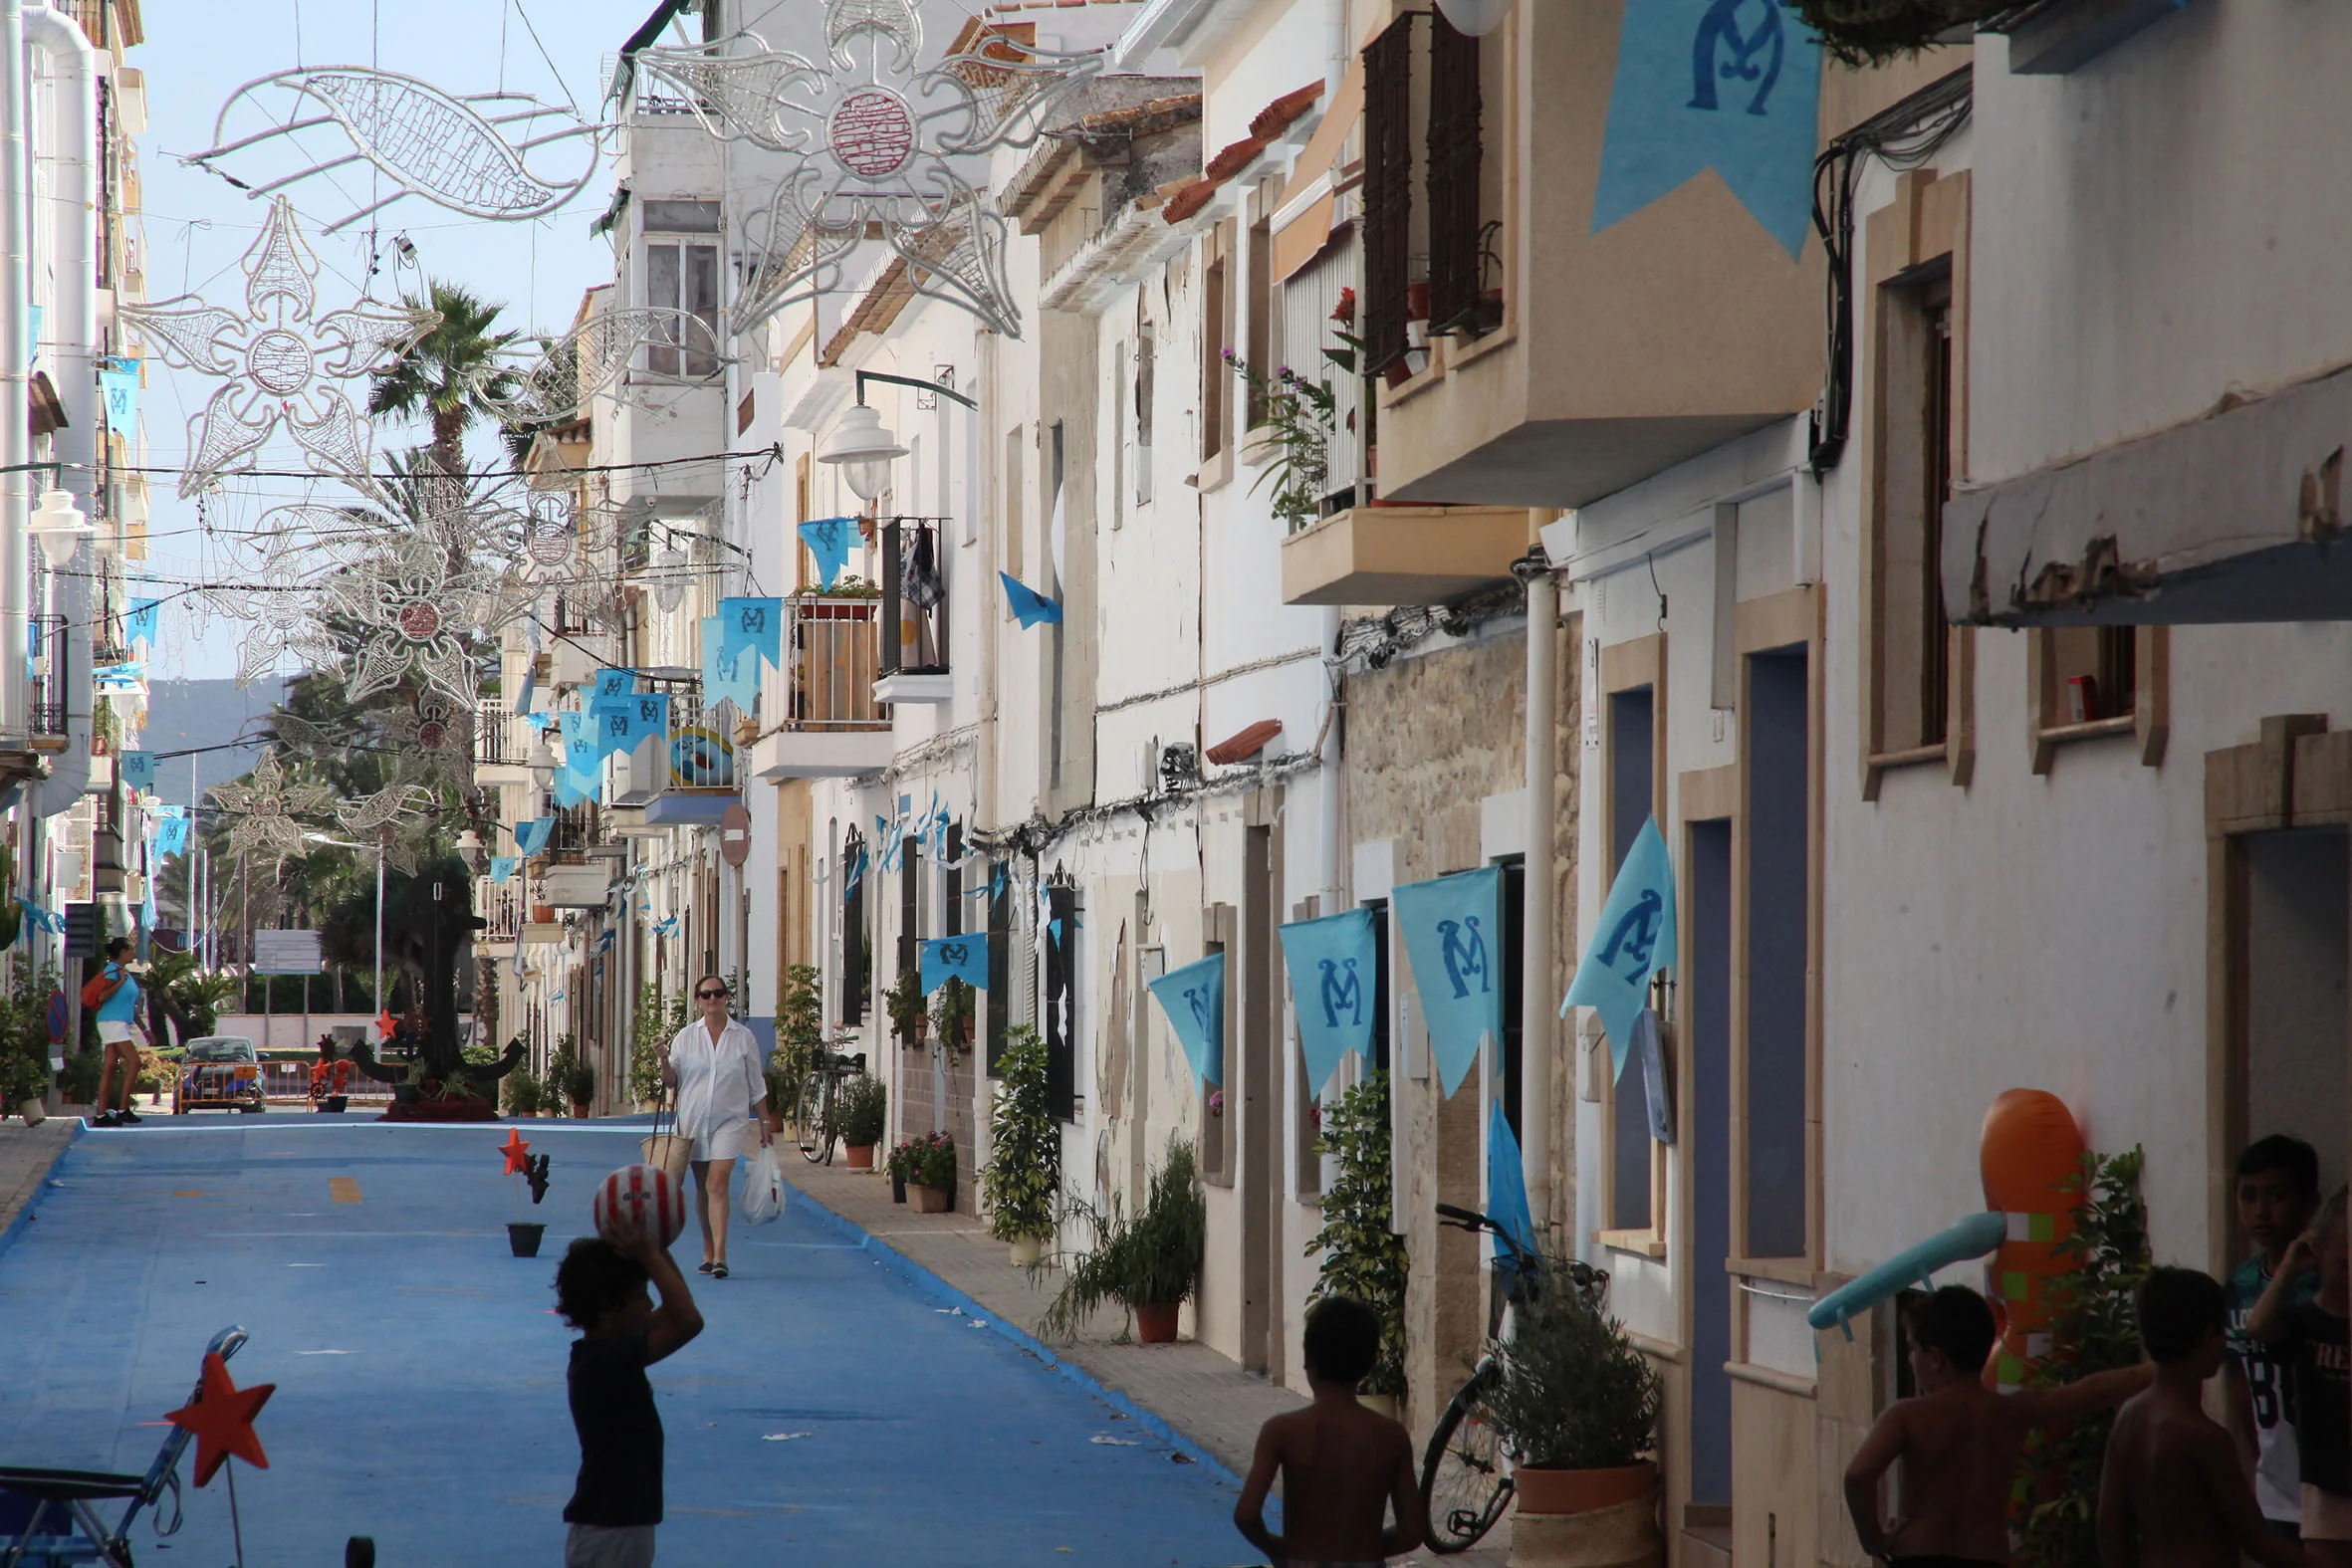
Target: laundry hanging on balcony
[(1633, 941), (1029, 605), (1451, 928), (828, 539), (1193, 997), (1695, 90), (1334, 971)]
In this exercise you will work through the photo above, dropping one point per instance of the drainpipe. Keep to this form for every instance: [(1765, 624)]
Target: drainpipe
[(75, 337), (1536, 1002), (1328, 783), (16, 353)]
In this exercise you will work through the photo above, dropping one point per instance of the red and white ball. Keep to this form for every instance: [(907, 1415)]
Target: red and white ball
[(648, 1190)]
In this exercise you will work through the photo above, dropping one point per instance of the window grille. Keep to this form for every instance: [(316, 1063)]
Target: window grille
[(1388, 192)]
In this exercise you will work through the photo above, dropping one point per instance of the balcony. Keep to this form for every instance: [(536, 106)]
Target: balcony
[(585, 885), (1639, 321), (688, 776), (1401, 555), (501, 744), (46, 716), (831, 725), (500, 908), (915, 594)]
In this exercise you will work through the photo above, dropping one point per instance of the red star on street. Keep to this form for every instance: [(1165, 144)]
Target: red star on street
[(514, 1149), (222, 1420)]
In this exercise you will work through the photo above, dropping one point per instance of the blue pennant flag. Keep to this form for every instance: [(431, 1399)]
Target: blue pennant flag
[(527, 689), (1507, 1182), (614, 687), (1193, 997), (530, 837), (502, 868), (604, 942), (955, 958), (39, 916), (117, 386), (1334, 967), (756, 625), (828, 539), (730, 679), (1452, 939), (171, 833), (1029, 605), (140, 625), (666, 926), (1731, 85), (1633, 941), (139, 769), (856, 873)]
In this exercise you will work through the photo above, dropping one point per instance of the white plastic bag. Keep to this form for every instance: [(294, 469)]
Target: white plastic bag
[(763, 1187)]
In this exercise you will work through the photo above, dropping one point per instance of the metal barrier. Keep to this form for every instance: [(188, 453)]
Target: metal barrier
[(289, 1083)]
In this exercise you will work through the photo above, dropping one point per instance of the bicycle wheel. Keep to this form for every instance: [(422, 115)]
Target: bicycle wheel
[(1464, 1489), (817, 1144)]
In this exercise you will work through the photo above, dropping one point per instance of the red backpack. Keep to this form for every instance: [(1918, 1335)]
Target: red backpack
[(96, 988)]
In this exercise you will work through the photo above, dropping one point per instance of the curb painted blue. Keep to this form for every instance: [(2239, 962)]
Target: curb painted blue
[(931, 1284), (24, 1215)]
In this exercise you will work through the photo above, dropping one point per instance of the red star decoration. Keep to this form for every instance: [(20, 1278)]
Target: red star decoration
[(514, 1149), (222, 1420), (385, 1024)]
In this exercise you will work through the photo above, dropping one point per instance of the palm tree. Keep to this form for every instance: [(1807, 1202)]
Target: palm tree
[(453, 376)]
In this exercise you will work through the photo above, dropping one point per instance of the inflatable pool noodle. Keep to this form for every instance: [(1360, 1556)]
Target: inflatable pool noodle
[(1972, 1237)]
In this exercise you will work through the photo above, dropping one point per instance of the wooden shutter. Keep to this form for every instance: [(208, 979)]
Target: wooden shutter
[(1388, 192)]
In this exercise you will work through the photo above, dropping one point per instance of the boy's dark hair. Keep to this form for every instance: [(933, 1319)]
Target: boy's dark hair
[(1956, 1321), (1342, 1340), (2278, 1152), (2178, 1308), (593, 1278)]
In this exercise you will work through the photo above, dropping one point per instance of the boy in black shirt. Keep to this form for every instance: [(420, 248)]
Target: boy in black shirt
[(2314, 1338), (600, 1290)]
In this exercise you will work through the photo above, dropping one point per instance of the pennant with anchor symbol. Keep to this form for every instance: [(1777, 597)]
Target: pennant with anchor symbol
[(1333, 972), (1633, 941), (1452, 939)]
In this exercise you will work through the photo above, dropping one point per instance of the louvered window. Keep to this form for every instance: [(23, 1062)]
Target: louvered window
[(1388, 192), (1453, 161)]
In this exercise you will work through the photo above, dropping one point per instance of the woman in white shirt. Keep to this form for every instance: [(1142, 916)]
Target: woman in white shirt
[(714, 1065)]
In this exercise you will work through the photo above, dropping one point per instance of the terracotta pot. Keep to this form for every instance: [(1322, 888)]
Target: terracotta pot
[(1416, 301), (542, 914), (1544, 1490), (1027, 1251), (862, 1156), (579, 1109), (1156, 1322), (929, 1200)]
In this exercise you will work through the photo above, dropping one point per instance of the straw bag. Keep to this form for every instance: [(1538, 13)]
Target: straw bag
[(667, 1149)]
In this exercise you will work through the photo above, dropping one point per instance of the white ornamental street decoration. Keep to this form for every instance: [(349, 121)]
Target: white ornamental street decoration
[(264, 810), (876, 143), (505, 156), (281, 361), (419, 602), (589, 359), (278, 611)]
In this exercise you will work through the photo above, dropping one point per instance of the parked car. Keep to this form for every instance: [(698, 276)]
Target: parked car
[(218, 1072)]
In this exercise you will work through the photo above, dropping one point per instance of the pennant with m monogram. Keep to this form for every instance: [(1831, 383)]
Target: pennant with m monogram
[(139, 769), (955, 958), (1633, 941), (1452, 939), (118, 389), (1193, 997), (614, 687), (752, 625), (502, 868), (141, 623), (1334, 968), (828, 539), (1029, 605), (733, 678), (172, 832), (530, 837)]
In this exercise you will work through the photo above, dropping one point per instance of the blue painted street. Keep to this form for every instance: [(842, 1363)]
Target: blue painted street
[(831, 1411)]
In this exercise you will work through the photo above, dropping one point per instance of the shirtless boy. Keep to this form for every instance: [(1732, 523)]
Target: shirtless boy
[(1959, 1441), (1342, 1467), (2173, 1492)]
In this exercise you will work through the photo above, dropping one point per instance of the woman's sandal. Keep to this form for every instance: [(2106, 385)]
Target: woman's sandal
[(705, 1267), (718, 1271)]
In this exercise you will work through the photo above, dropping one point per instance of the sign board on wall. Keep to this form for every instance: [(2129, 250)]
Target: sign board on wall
[(286, 953)]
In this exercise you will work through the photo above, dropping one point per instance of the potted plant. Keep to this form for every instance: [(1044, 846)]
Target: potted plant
[(1363, 1258), (1575, 1407), (908, 1018), (930, 1163), (900, 1165), (543, 913), (1149, 1265), (579, 1086), (522, 1093), (1024, 1170), (862, 1110), (951, 1015), (24, 1081)]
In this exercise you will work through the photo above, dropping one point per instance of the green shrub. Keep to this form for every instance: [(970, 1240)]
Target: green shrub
[(79, 1082), (1024, 1170), (1364, 1260), (1153, 1259), (863, 1108), (1573, 1392), (523, 1092), (653, 1023)]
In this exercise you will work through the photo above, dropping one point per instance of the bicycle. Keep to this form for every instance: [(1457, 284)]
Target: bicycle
[(1465, 1480), (819, 1120)]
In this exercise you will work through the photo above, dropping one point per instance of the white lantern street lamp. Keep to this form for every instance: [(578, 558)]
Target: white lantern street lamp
[(1476, 18), (669, 586), (60, 527), (541, 762), (863, 448)]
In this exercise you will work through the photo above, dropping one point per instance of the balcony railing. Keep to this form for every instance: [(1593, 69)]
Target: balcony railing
[(579, 829), (47, 713), (832, 654), (501, 907), (697, 753), (496, 737), (915, 597)]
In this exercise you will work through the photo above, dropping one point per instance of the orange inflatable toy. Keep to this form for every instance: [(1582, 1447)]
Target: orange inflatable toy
[(2029, 1152)]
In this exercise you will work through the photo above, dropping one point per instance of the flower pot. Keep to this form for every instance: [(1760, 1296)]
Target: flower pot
[(1585, 1519), (579, 1109), (523, 1237), (1156, 1322), (862, 1156), (542, 914), (32, 1112), (929, 1200), (1027, 1250), (1415, 303), (898, 1188)]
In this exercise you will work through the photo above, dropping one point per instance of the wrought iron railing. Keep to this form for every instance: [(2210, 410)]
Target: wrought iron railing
[(1388, 192), (915, 597), (47, 714), (501, 907), (832, 655), (498, 738), (577, 829)]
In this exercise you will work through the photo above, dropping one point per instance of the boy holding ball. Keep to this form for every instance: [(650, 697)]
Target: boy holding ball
[(600, 1290)]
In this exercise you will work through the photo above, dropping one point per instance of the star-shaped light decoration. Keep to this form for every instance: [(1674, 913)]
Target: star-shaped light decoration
[(263, 812), (418, 601), (516, 1152), (877, 141), (277, 606), (280, 360), (222, 1420)]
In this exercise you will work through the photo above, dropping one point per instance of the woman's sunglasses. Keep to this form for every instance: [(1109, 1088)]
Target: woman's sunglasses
[(710, 996)]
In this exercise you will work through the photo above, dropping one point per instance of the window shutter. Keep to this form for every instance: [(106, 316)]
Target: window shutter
[(1453, 147), (1388, 192)]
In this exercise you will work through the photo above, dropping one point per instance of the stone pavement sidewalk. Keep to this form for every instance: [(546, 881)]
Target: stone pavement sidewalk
[(26, 1154), (1194, 1389)]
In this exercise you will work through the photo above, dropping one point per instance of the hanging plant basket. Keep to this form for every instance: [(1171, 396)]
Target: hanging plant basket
[(1871, 32)]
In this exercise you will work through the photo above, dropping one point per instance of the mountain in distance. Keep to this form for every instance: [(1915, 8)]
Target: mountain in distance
[(182, 714)]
